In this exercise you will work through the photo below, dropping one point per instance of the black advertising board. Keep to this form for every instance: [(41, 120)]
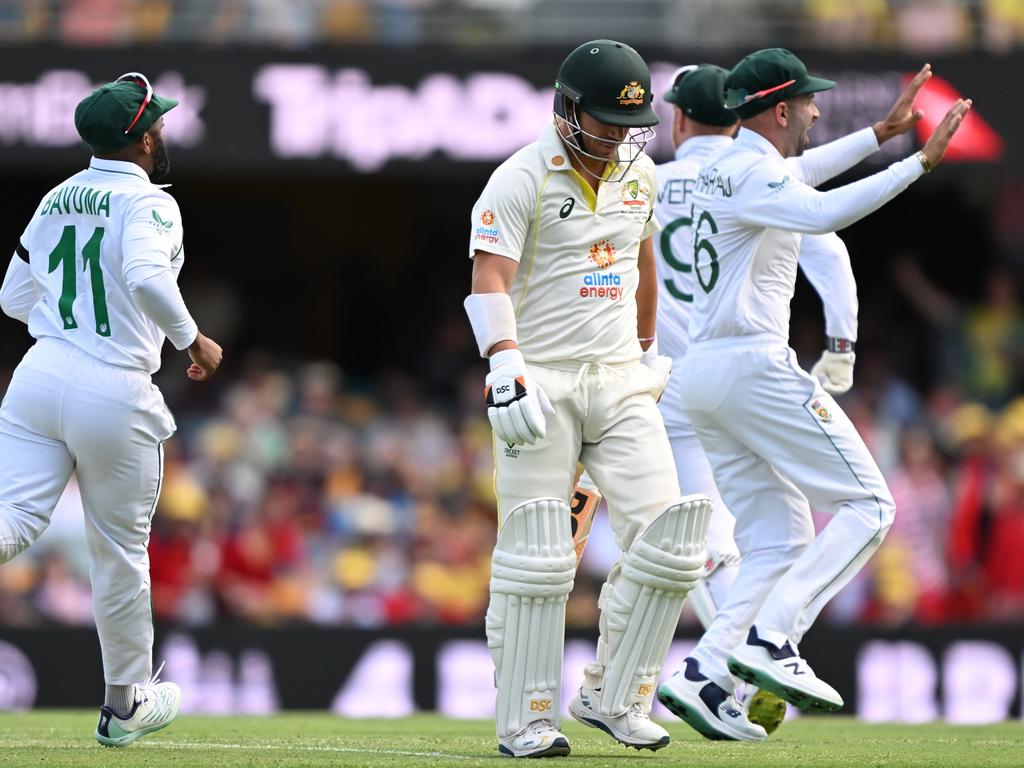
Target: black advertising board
[(359, 111)]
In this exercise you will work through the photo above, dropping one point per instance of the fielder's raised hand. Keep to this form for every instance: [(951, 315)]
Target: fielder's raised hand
[(515, 403), (902, 117), (935, 148)]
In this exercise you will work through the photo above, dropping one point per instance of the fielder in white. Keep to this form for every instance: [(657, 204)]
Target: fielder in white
[(94, 277), (564, 304), (776, 440), (702, 125)]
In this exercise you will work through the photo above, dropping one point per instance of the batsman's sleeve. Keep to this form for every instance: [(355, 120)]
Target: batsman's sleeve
[(826, 263), (18, 293), (501, 217), (769, 197), (818, 165)]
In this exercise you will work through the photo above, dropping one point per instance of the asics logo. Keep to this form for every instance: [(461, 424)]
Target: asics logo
[(566, 208)]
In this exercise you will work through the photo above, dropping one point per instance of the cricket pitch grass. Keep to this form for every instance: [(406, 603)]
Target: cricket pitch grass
[(64, 738)]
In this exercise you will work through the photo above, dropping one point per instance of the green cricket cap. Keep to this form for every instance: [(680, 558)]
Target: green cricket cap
[(103, 117), (700, 93), (766, 77)]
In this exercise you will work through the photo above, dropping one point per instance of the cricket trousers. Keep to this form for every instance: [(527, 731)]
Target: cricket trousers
[(65, 411), (778, 444)]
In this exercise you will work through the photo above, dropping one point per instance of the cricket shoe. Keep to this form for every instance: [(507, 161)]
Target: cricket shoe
[(156, 706), (764, 708), (537, 739), (782, 671), (633, 728), (707, 707)]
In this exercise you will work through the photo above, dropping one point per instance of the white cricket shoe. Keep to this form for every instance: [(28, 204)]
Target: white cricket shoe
[(156, 706), (537, 739), (707, 707), (783, 672), (633, 728)]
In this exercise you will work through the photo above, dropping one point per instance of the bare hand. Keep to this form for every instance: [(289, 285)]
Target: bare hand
[(902, 117), (206, 355), (935, 148)]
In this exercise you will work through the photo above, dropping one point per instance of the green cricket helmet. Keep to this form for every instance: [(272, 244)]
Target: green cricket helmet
[(610, 82)]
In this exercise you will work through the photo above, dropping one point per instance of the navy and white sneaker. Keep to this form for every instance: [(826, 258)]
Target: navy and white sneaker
[(537, 739), (782, 671), (706, 706), (633, 728)]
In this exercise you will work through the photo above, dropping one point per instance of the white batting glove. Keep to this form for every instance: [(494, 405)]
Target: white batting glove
[(660, 364), (515, 403), (835, 371)]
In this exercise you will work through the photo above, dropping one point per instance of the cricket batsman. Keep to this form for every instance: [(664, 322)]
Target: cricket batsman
[(563, 303), (95, 278)]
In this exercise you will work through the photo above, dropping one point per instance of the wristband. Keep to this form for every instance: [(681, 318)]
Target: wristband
[(833, 344), (923, 158), (493, 319)]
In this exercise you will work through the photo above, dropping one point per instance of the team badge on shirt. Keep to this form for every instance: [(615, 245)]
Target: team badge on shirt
[(821, 411), (636, 199)]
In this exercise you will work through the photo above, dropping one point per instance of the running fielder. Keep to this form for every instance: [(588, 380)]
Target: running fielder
[(564, 303), (776, 440), (94, 277)]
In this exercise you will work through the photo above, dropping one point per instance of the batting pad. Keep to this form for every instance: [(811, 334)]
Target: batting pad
[(641, 606), (532, 571)]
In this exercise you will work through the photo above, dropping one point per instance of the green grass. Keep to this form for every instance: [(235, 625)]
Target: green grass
[(64, 738)]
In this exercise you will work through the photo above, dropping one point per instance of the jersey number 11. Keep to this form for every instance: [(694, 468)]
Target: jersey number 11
[(66, 254)]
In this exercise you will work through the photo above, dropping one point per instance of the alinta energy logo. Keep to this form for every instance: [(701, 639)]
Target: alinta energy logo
[(487, 233), (599, 284)]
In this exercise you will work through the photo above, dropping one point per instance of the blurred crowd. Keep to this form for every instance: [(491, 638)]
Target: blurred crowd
[(919, 26), (294, 494)]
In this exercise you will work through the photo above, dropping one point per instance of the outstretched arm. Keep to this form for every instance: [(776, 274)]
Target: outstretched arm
[(818, 165)]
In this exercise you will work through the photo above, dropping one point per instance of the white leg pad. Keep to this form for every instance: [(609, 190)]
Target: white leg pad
[(641, 608), (532, 573)]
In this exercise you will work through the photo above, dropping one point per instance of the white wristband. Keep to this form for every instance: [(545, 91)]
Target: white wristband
[(492, 318)]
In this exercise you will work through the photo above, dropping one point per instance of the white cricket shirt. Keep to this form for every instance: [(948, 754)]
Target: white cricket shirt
[(749, 210), (574, 292), (89, 233)]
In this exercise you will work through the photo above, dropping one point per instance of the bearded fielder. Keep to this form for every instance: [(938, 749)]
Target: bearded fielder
[(94, 277), (776, 440), (563, 303)]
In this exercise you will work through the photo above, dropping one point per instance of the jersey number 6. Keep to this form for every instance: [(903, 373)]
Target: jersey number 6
[(699, 245)]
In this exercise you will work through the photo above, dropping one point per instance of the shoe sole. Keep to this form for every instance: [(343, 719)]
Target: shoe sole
[(558, 748), (767, 710), (693, 718), (130, 738), (595, 723), (803, 700)]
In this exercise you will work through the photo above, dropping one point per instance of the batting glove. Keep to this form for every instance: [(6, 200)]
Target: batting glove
[(660, 364), (515, 403), (835, 371)]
